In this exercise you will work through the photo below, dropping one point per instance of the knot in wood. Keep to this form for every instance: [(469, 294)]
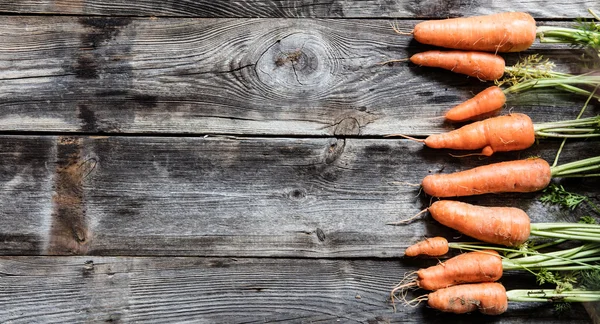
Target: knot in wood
[(298, 63), (347, 126)]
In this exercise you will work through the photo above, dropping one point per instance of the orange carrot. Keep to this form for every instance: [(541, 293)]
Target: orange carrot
[(507, 226), (480, 266), (489, 298), (498, 134), (502, 32), (435, 246), (513, 176), (487, 103), (484, 66)]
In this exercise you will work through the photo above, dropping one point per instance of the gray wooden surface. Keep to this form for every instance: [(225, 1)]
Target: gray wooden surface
[(233, 76), (173, 161), (227, 196), (223, 290), (298, 8)]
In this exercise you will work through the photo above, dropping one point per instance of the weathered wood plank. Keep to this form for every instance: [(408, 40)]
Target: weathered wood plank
[(233, 76), (221, 196), (594, 310), (296, 8), (123, 290)]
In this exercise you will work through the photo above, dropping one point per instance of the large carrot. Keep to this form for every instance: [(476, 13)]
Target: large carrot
[(510, 133), (502, 32), (498, 225), (491, 298), (512, 176), (498, 134), (484, 66), (508, 226), (479, 266)]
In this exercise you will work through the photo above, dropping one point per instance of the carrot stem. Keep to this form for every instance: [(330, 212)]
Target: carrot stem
[(570, 235), (573, 257), (577, 168), (551, 295), (586, 34), (577, 128)]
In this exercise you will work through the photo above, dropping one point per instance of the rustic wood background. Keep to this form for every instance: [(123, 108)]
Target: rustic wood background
[(226, 161)]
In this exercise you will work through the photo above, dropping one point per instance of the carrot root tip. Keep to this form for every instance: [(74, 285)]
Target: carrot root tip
[(467, 155), (392, 61), (407, 137), (408, 220)]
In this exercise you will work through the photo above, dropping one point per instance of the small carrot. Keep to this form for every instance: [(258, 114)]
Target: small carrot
[(502, 32), (435, 246), (479, 266), (529, 74), (512, 176), (484, 66), (487, 103), (488, 297)]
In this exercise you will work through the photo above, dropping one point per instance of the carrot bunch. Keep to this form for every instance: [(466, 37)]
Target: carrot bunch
[(467, 282)]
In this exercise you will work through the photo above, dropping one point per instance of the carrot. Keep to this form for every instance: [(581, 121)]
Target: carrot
[(484, 66), (435, 246), (508, 133), (491, 298), (513, 176), (487, 103), (499, 134), (502, 32), (480, 266), (507, 226), (488, 297)]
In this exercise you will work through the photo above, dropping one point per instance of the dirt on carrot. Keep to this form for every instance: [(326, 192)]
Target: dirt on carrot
[(489, 298)]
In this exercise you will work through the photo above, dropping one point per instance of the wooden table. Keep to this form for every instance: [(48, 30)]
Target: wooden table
[(217, 161)]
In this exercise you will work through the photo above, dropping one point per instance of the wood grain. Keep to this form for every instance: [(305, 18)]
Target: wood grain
[(208, 290), (227, 196), (235, 76), (297, 8)]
